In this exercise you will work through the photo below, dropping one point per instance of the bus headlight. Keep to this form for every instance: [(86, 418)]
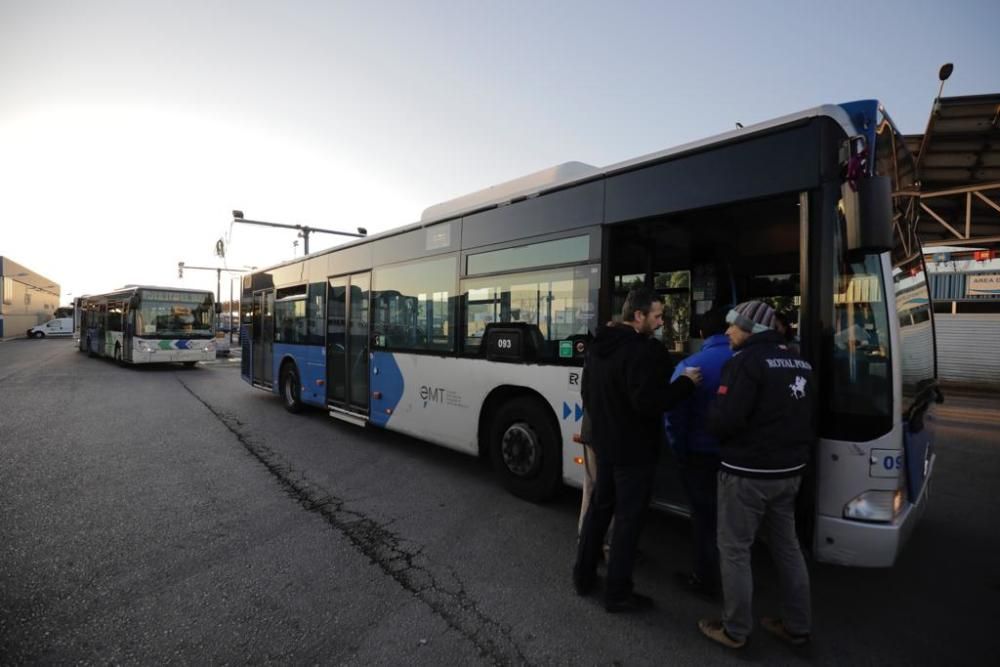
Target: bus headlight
[(145, 345), (875, 506)]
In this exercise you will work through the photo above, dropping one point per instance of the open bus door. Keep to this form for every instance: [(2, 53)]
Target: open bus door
[(263, 338), (347, 346)]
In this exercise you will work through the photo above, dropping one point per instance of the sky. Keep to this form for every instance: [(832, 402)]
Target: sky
[(130, 130)]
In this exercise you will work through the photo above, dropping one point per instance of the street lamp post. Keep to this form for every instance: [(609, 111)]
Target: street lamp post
[(304, 230)]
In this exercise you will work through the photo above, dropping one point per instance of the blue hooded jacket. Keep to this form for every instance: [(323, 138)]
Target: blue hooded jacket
[(686, 423)]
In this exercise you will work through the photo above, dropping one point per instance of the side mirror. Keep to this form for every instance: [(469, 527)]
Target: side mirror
[(868, 214), (218, 308)]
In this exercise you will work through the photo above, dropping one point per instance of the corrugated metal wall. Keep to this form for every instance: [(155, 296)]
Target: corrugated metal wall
[(952, 286), (968, 347), (917, 351)]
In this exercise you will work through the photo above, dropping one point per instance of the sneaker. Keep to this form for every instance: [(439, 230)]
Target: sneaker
[(692, 583), (633, 602), (777, 628), (715, 631)]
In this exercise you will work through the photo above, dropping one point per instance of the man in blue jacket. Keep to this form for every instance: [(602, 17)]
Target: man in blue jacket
[(697, 451), (763, 417)]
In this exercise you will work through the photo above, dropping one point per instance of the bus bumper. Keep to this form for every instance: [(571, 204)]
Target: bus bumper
[(172, 356), (854, 543)]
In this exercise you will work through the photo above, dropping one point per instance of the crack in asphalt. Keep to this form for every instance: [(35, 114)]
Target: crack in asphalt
[(386, 550)]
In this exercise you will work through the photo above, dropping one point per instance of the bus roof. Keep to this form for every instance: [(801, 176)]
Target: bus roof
[(133, 288), (569, 174)]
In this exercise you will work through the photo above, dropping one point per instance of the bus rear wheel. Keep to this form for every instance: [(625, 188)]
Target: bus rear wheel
[(291, 389), (525, 449)]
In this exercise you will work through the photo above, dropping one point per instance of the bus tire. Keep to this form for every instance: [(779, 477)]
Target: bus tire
[(291, 388), (525, 449)]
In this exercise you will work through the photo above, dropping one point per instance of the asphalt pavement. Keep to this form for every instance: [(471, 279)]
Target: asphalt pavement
[(180, 516)]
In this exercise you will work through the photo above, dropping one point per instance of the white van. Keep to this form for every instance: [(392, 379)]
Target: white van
[(60, 326)]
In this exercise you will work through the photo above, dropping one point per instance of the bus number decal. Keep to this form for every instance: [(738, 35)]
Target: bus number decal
[(893, 462)]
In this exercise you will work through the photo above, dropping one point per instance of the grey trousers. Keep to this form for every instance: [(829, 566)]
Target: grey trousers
[(745, 504)]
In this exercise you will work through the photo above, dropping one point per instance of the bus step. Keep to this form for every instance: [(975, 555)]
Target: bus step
[(349, 417)]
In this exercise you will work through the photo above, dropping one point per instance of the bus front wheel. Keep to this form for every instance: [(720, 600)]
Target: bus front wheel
[(291, 389), (525, 449)]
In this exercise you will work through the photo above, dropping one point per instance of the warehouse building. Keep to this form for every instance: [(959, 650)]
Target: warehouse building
[(26, 298)]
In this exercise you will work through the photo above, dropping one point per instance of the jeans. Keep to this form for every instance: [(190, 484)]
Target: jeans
[(699, 475), (620, 493), (744, 505)]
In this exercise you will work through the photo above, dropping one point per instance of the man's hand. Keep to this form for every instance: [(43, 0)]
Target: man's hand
[(694, 374)]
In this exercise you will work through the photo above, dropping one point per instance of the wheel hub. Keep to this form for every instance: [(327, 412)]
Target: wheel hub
[(520, 449)]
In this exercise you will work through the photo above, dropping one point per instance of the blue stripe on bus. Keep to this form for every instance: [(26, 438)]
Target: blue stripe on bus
[(863, 114), (310, 361), (387, 379)]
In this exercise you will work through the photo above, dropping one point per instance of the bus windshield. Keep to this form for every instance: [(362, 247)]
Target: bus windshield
[(164, 314)]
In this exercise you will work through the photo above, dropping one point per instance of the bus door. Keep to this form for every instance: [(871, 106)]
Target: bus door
[(347, 331), (263, 337)]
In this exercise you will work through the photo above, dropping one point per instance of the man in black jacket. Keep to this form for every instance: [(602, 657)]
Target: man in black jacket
[(625, 393), (762, 416)]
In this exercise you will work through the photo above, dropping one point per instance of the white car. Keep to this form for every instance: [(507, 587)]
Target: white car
[(60, 326)]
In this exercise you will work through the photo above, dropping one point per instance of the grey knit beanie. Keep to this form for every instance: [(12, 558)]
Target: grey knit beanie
[(752, 316)]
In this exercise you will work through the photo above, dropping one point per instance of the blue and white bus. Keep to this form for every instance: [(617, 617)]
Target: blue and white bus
[(468, 328)]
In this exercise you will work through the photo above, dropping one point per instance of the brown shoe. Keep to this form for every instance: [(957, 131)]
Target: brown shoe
[(777, 628), (715, 631)]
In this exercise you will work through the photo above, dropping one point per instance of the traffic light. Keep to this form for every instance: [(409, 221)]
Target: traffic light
[(180, 269)]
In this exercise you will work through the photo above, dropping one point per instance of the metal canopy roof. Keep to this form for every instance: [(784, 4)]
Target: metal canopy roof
[(958, 166)]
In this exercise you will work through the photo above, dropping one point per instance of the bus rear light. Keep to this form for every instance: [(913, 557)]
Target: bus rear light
[(577, 438), (320, 383), (578, 460), (880, 506)]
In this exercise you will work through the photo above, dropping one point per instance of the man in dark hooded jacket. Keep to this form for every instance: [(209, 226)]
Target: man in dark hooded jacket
[(763, 417), (625, 394)]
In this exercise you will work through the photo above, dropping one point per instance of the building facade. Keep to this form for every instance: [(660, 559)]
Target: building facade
[(26, 298)]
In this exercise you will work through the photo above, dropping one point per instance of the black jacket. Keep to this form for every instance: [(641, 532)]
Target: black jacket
[(763, 412), (625, 391)]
